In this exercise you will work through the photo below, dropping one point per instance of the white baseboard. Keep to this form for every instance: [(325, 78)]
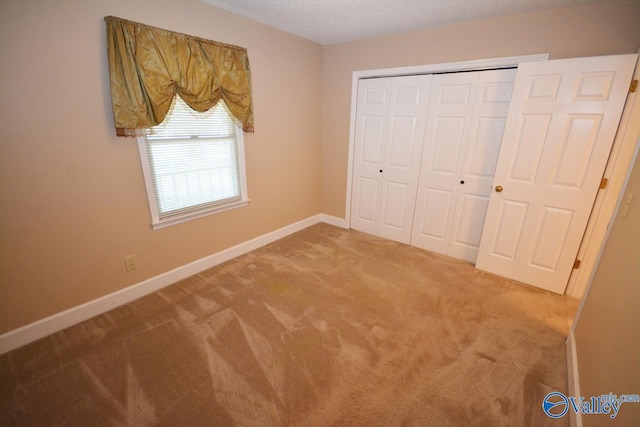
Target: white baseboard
[(335, 221), (57, 322), (575, 420)]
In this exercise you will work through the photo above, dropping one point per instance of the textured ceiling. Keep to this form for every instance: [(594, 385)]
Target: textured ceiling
[(335, 21)]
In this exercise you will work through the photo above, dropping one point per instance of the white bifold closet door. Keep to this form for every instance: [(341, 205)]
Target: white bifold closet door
[(390, 123), (465, 123)]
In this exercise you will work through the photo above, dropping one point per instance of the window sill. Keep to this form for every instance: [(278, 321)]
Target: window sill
[(157, 225)]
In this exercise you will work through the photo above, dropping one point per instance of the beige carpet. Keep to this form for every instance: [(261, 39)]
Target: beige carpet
[(327, 327)]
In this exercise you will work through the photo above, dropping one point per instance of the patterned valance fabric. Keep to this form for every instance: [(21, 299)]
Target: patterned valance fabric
[(148, 66)]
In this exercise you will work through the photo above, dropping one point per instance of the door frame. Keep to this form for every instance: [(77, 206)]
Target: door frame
[(616, 169)]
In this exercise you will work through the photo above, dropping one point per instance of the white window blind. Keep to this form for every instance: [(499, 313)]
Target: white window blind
[(194, 162)]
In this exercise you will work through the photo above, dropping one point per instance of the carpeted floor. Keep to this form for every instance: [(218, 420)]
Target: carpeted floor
[(327, 327)]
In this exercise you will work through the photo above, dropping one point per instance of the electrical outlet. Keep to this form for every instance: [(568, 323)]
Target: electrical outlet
[(130, 262)]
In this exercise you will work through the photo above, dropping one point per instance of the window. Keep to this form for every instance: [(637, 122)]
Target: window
[(193, 164)]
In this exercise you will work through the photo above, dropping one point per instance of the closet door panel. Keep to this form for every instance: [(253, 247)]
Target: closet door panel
[(448, 123), (476, 172), (371, 130), (402, 154), (397, 175)]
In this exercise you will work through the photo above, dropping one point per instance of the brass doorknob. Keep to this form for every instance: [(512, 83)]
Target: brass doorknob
[(499, 188)]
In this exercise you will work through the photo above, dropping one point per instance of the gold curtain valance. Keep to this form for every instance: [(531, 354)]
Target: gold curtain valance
[(148, 66)]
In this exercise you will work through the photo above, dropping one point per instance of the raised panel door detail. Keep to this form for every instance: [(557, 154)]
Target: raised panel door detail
[(456, 94), (485, 146), (373, 134), (529, 144), (403, 138), (437, 208), (577, 144), (447, 142), (376, 96), (367, 197), (395, 199), (550, 238), (497, 93), (544, 87), (594, 86), (511, 216), (408, 95), (472, 212)]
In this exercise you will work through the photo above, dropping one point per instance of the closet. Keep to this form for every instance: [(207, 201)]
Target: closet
[(425, 152), (497, 167)]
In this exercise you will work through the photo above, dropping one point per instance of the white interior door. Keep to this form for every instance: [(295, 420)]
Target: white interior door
[(390, 120), (465, 122), (562, 121)]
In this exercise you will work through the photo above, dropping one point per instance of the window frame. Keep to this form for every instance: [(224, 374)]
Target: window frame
[(157, 222)]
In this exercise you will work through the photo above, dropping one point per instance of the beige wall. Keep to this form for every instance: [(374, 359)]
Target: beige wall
[(609, 28), (607, 331), (72, 198)]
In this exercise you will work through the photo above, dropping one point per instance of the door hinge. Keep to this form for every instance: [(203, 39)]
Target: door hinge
[(634, 86), (576, 263), (604, 183)]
